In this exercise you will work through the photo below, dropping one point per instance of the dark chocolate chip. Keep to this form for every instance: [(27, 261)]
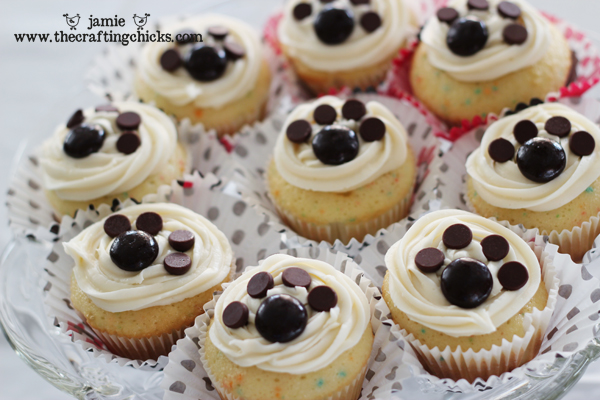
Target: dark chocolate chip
[(558, 126), (235, 315), (466, 282), (281, 318), (219, 32), (515, 34), (294, 276), (335, 145), (495, 247), (299, 131), (182, 240), (234, 51), (359, 2), (372, 129), (83, 140), (354, 109), (322, 298), (536, 102), (501, 150), (572, 77), (133, 251), (467, 36), (129, 121), (259, 284), (76, 119), (185, 36), (170, 60), (457, 236), (116, 224), (525, 130), (177, 263), (149, 222), (509, 10), (205, 63), (106, 108), (447, 15), (334, 25), (325, 114), (429, 260), (520, 107), (370, 21), (513, 275), (302, 10), (582, 143), (481, 5), (128, 142), (541, 160)]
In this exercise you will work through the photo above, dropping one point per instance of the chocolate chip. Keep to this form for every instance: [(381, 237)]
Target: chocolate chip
[(182, 240), (573, 70), (429, 260), (235, 315), (359, 2), (447, 15), (106, 108), (354, 109), (541, 159), (558, 126), (466, 282), (525, 130), (457, 236), (129, 121), (302, 10), (536, 102), (281, 318), (83, 140), (333, 25), (294, 276), (170, 60), (514, 34), (501, 150), (76, 119), (133, 251), (481, 5), (322, 298), (234, 51), (116, 224), (513, 275), (185, 36), (495, 247), (205, 63), (372, 129), (370, 21), (582, 143), (299, 131), (128, 142), (259, 284), (467, 36), (177, 263), (149, 222), (509, 10), (219, 32), (325, 114), (335, 145)]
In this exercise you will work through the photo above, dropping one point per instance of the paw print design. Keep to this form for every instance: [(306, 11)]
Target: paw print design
[(467, 282)]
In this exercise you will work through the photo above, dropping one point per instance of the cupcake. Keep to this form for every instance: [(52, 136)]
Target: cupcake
[(468, 294), (346, 43), (540, 168), (341, 169), (143, 275), (480, 56), (213, 72), (292, 328), (118, 151)]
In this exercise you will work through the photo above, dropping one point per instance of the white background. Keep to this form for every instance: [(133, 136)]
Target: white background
[(42, 84)]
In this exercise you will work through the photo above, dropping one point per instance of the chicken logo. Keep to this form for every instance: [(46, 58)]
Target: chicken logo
[(72, 21), (140, 21)]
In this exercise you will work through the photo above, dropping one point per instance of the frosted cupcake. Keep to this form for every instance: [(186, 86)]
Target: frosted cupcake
[(540, 168), (341, 169), (213, 71), (469, 295), (292, 328), (143, 275), (118, 151), (480, 56), (343, 43)]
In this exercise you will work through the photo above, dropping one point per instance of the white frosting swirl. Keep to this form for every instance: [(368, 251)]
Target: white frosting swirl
[(180, 88), (108, 171), (327, 334), (116, 290), (419, 295), (503, 185), (299, 166), (361, 49), (497, 58)]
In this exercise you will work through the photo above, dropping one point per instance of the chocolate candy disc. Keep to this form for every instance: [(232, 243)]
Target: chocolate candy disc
[(372, 129), (334, 25), (514, 34), (513, 275), (447, 15), (128, 142), (359, 2), (133, 250), (429, 260), (541, 159), (116, 224), (457, 236), (182, 240), (301, 11), (509, 10), (170, 60), (219, 32), (177, 263), (558, 126), (322, 298), (281, 318), (205, 63), (106, 108), (495, 247), (234, 51), (582, 143), (370, 21), (467, 36), (129, 121), (501, 150), (235, 315), (76, 119), (525, 130), (466, 282), (149, 222), (325, 114), (481, 5), (354, 109), (335, 145), (259, 285), (84, 140), (294, 276), (299, 131)]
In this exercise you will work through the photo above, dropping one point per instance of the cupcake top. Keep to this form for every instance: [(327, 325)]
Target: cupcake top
[(149, 255), (290, 315), (481, 40), (334, 145), (461, 274), (538, 159), (107, 150), (343, 34), (211, 61)]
